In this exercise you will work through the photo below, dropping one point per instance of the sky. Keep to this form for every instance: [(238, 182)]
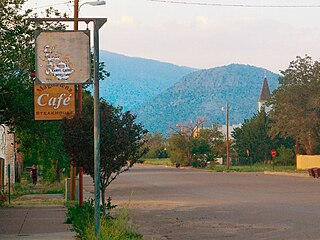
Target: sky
[(205, 36)]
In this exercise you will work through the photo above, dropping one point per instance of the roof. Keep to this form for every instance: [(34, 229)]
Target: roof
[(265, 91)]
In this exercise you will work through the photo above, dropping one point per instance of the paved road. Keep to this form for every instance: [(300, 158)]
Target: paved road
[(170, 203)]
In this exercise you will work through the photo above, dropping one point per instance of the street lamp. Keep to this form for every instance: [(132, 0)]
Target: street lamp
[(94, 3), (227, 136)]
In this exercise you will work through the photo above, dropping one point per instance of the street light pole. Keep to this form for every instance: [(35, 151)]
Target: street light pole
[(227, 136), (96, 117)]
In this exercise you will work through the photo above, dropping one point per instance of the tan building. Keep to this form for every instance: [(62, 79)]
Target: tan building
[(7, 157)]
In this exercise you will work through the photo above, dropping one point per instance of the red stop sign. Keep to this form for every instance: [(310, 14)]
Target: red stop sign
[(273, 152)]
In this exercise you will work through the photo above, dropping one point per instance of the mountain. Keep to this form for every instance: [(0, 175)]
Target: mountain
[(203, 95), (133, 81)]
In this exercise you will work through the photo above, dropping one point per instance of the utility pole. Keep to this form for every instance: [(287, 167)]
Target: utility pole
[(72, 165), (79, 96), (227, 136)]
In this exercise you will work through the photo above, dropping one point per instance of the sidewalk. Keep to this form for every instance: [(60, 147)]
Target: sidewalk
[(35, 221)]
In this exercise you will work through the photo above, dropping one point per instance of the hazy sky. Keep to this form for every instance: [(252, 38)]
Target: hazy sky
[(205, 36)]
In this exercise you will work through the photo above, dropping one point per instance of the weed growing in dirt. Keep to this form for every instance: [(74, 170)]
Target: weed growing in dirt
[(115, 227)]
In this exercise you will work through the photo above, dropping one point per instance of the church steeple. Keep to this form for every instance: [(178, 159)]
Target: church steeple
[(265, 93)]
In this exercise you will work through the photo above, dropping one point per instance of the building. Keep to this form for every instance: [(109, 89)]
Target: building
[(264, 96), (8, 157)]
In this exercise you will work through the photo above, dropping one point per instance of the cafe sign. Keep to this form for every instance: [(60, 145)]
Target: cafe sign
[(63, 57), (54, 102)]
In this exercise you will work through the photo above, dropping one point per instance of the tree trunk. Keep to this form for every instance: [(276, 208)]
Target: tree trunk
[(310, 146), (57, 171), (103, 198), (189, 157)]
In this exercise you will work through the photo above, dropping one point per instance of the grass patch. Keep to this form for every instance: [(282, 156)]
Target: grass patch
[(113, 226), (32, 202), (158, 161), (25, 188), (253, 168)]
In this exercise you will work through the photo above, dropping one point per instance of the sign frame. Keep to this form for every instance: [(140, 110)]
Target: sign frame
[(62, 57)]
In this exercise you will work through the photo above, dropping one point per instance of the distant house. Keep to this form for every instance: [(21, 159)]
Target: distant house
[(8, 156), (264, 96)]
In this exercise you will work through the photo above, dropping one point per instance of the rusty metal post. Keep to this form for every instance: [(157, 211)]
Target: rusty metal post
[(79, 97), (72, 180), (9, 182), (80, 186)]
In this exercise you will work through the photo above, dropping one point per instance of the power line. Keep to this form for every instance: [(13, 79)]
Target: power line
[(234, 5), (51, 5)]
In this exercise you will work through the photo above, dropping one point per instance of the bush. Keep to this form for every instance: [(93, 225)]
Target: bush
[(178, 157), (112, 228), (285, 157)]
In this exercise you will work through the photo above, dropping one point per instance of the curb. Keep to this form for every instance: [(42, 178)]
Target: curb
[(287, 174)]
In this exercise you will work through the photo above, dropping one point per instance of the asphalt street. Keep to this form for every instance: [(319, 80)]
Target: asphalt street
[(169, 203)]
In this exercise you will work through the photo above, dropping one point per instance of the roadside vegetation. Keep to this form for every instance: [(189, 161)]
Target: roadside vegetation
[(158, 161), (25, 187), (115, 225), (253, 168)]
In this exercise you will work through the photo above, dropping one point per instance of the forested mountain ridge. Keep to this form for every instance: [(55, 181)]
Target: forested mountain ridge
[(134, 81), (203, 94)]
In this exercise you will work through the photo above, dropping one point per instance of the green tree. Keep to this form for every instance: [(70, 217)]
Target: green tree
[(40, 142), (156, 145), (253, 135), (17, 61), (43, 145), (214, 137), (285, 156), (122, 141), (296, 104), (179, 149), (191, 142)]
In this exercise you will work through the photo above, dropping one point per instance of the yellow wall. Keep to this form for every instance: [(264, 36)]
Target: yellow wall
[(308, 161)]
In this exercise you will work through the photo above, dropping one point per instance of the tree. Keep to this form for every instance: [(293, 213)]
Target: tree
[(215, 139), (156, 145), (17, 61), (40, 142), (122, 141), (296, 104), (253, 135), (42, 145), (180, 143)]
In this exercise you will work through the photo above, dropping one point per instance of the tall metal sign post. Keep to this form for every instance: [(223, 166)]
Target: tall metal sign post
[(97, 24)]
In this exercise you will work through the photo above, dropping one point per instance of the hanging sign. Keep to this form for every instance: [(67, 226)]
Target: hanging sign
[(63, 57), (54, 102)]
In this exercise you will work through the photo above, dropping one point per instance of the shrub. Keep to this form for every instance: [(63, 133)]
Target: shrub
[(285, 156), (112, 228)]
